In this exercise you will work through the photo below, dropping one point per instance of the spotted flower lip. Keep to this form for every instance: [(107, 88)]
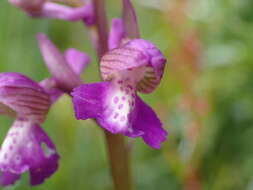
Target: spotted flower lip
[(27, 148), (49, 9), (22, 149)]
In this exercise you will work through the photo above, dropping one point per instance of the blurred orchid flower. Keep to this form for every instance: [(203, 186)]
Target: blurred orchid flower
[(26, 146), (130, 66), (50, 9)]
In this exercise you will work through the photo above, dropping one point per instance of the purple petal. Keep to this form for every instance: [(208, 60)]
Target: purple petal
[(8, 178), (77, 60), (28, 5), (66, 78), (117, 33), (116, 108), (23, 96), (109, 102), (27, 147), (58, 11), (146, 121), (12, 79), (138, 59), (50, 86), (87, 100), (130, 20)]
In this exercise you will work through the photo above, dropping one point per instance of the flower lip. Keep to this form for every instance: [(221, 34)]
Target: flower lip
[(137, 59), (27, 148), (23, 96)]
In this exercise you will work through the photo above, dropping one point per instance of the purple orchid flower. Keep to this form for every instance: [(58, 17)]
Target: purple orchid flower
[(131, 66), (26, 146), (50, 9)]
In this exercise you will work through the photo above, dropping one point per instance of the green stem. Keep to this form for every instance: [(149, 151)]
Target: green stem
[(119, 161), (118, 152)]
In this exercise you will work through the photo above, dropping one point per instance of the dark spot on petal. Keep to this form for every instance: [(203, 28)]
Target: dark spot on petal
[(116, 99), (120, 106), (116, 115)]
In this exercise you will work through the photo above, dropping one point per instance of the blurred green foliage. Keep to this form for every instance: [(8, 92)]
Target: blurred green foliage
[(223, 154)]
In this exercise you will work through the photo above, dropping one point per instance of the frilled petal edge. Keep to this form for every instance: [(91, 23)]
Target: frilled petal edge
[(147, 122), (8, 178)]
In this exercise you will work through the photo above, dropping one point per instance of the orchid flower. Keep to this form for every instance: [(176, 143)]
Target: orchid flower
[(26, 146), (50, 9), (132, 65)]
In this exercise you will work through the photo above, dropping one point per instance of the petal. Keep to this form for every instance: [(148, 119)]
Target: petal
[(138, 59), (77, 60), (117, 109), (87, 100), (117, 33), (147, 122), (8, 178), (58, 11), (66, 78), (22, 95), (50, 86), (130, 20), (109, 102), (13, 79), (27, 147), (28, 5)]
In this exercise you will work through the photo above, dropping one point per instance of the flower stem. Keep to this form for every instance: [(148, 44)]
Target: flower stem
[(118, 153), (119, 161)]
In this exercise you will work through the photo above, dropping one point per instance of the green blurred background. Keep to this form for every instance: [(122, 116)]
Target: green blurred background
[(205, 99)]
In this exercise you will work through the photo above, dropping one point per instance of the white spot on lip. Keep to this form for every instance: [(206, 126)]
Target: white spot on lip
[(119, 104)]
